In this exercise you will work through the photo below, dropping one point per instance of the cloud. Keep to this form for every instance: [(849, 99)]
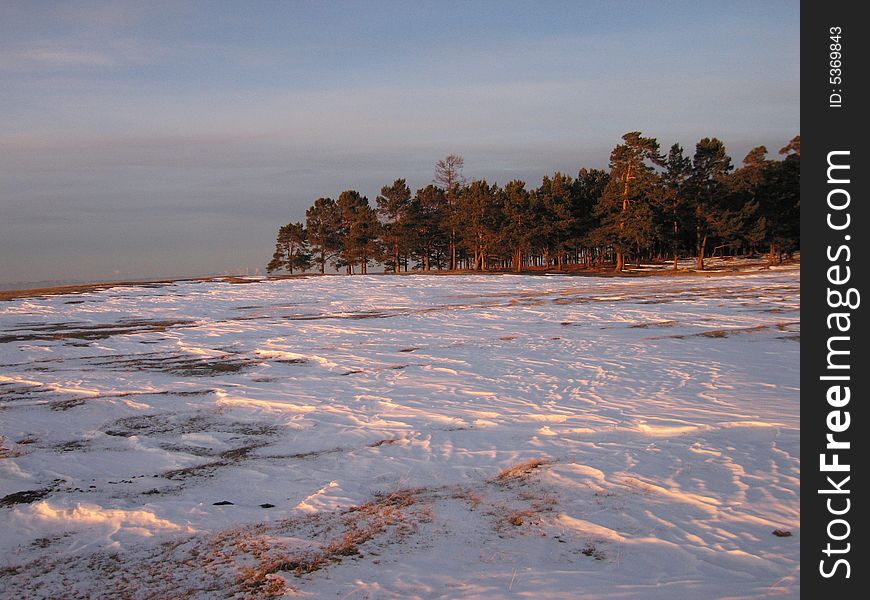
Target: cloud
[(55, 56)]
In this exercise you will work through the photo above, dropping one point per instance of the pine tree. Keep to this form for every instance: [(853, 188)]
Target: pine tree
[(291, 250), (555, 200), (322, 223), (647, 206), (589, 186), (519, 222), (448, 175), (393, 205), (786, 231), (673, 200), (427, 238), (358, 231), (627, 194), (479, 205), (707, 187)]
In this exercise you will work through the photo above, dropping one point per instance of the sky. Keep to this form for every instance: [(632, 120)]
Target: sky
[(165, 139)]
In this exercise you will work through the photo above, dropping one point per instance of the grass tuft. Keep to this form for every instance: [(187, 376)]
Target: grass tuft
[(519, 471)]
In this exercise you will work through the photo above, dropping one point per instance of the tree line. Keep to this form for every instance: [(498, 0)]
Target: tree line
[(648, 206)]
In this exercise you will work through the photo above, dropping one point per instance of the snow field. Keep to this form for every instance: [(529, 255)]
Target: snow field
[(356, 429)]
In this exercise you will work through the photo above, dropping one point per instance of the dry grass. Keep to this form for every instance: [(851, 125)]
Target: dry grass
[(6, 451), (590, 550), (724, 333), (62, 405), (654, 324), (385, 442), (529, 513), (517, 518), (469, 496), (359, 524), (520, 507), (520, 471), (269, 559)]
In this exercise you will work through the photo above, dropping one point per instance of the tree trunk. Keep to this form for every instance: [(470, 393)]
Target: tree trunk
[(620, 261), (701, 249)]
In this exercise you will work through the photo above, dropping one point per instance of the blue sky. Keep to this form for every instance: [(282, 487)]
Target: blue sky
[(151, 139)]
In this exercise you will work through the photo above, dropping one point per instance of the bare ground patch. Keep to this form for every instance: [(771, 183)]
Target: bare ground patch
[(385, 442), (66, 404), (177, 424), (24, 497), (725, 333), (27, 332), (224, 459), (169, 427), (652, 324), (180, 364), (14, 391)]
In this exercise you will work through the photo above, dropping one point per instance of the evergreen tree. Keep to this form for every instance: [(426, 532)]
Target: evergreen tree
[(555, 201), (672, 199), (647, 206), (785, 230), (708, 190), (626, 197), (427, 239), (358, 231), (393, 205), (291, 249), (750, 187), (448, 175), (481, 214), (588, 189), (322, 227), (520, 224)]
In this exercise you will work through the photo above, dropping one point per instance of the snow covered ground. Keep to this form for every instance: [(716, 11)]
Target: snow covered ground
[(398, 437)]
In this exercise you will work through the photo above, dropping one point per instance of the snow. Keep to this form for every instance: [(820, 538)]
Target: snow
[(664, 412)]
